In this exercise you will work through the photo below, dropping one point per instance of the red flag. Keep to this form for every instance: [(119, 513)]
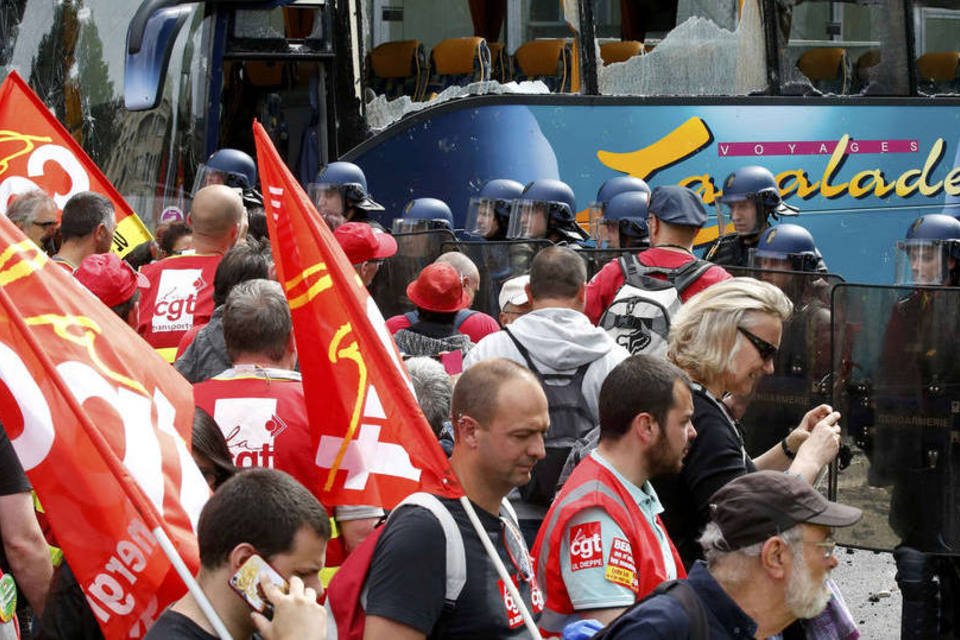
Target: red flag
[(37, 152), (102, 426), (373, 445)]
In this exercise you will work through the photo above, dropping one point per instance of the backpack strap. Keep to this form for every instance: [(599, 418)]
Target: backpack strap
[(456, 554), (412, 317), (543, 377), (523, 352), (688, 274), (461, 317)]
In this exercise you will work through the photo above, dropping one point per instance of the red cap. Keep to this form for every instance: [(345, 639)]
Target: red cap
[(361, 242), (439, 288), (110, 278)]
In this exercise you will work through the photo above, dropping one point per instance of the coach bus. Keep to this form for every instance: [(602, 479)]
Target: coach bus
[(852, 104)]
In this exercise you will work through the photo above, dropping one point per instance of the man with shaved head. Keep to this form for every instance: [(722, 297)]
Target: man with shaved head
[(181, 286)]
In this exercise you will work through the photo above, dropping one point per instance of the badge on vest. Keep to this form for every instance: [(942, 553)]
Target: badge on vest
[(586, 546), (176, 300), (514, 617), (620, 568)]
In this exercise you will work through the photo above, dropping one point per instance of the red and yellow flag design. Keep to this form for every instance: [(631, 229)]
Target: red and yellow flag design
[(102, 426), (37, 152), (372, 444)]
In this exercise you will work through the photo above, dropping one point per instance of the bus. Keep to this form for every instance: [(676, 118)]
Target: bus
[(851, 104)]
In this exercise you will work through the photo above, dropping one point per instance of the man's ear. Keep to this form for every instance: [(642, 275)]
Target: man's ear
[(776, 558), (465, 430), (240, 554), (645, 428)]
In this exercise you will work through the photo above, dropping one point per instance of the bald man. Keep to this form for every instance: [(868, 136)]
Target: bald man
[(181, 287)]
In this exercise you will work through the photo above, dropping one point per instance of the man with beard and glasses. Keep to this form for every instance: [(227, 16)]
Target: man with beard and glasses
[(603, 546), (769, 549)]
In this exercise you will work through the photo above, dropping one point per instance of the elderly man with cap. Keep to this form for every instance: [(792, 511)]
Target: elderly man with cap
[(366, 248), (514, 301), (675, 215), (115, 283), (441, 300), (769, 549)]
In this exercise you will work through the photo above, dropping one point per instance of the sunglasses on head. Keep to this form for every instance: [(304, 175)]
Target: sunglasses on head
[(766, 350)]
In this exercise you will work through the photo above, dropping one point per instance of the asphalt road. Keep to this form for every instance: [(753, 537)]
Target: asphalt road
[(866, 580)]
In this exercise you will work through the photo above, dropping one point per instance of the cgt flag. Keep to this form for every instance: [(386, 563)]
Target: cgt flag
[(37, 152), (99, 422), (373, 445)]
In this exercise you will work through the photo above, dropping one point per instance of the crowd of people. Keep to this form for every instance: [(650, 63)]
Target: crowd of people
[(594, 424)]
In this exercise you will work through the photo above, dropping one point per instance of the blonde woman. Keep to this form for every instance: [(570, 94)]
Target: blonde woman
[(726, 338)]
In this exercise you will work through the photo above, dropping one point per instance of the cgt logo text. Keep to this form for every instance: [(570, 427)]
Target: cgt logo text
[(586, 546)]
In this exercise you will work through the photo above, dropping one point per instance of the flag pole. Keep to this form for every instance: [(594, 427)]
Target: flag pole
[(501, 570)]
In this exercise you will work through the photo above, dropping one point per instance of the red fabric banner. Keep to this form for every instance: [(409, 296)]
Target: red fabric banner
[(37, 152), (102, 426), (373, 445)]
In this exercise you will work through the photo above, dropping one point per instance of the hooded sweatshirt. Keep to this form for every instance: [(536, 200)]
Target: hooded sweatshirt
[(559, 340)]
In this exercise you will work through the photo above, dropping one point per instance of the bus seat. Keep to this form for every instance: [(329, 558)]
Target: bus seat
[(263, 74), (549, 60), (458, 61), (937, 72), (826, 68), (861, 69), (397, 69), (499, 63), (620, 51)]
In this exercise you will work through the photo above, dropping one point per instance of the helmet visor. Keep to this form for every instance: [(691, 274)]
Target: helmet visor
[(922, 262), (482, 219), (415, 225), (770, 260), (529, 219), (207, 176)]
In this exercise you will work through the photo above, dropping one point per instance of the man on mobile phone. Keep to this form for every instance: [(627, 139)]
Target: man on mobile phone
[(257, 512)]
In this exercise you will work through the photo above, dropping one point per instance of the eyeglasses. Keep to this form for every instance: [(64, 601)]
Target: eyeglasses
[(517, 549), (766, 350), (827, 547), (45, 225)]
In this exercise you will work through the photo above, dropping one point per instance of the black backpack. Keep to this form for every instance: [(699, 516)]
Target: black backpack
[(683, 593), (570, 420)]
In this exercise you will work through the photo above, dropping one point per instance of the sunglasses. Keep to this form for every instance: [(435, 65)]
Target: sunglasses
[(766, 350)]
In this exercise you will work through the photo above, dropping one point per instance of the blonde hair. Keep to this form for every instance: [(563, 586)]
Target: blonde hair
[(704, 337)]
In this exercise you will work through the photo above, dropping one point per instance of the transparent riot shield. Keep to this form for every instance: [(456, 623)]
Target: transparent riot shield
[(896, 363), (497, 262), (800, 379), (414, 251), (597, 258)]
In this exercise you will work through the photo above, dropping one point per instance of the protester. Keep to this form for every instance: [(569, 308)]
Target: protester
[(769, 548), (210, 451), (558, 343), (479, 325), (202, 350), (513, 299), (366, 248), (500, 416), (115, 283), (173, 238), (431, 385), (231, 530), (142, 254), (180, 295), (35, 213), (86, 227), (608, 509)]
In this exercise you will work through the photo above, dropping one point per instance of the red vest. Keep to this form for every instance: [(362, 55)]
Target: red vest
[(180, 295), (610, 495), (256, 408)]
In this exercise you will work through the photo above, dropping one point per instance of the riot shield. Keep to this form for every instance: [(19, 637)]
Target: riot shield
[(800, 380), (597, 258), (896, 363), (414, 251), (497, 262)]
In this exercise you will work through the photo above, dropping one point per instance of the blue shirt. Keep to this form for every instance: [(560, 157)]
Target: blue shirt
[(664, 618)]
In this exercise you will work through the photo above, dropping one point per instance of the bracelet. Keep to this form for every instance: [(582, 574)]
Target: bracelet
[(786, 449)]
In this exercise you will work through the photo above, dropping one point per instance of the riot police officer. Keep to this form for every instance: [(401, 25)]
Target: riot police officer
[(340, 193), (424, 214), (599, 212), (235, 169), (546, 210), (624, 222), (488, 214)]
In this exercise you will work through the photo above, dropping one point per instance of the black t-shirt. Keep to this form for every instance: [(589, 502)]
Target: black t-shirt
[(172, 625), (716, 457), (407, 579), (12, 478)]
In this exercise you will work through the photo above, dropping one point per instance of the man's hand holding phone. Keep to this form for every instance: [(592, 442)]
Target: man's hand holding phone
[(296, 613)]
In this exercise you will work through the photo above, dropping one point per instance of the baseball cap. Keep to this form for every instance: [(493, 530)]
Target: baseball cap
[(361, 242), (762, 504), (439, 288), (110, 278), (514, 292), (677, 205)]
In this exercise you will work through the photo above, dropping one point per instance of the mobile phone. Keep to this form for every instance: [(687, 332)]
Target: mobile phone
[(246, 582)]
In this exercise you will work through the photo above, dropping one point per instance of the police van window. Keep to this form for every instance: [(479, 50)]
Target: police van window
[(681, 48), (842, 48), (937, 36)]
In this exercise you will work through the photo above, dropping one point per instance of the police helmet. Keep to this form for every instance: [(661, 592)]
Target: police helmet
[(628, 211), (924, 255), (424, 214), (757, 184), (348, 179), (230, 167), (616, 186), (788, 242), (545, 205), (488, 214)]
